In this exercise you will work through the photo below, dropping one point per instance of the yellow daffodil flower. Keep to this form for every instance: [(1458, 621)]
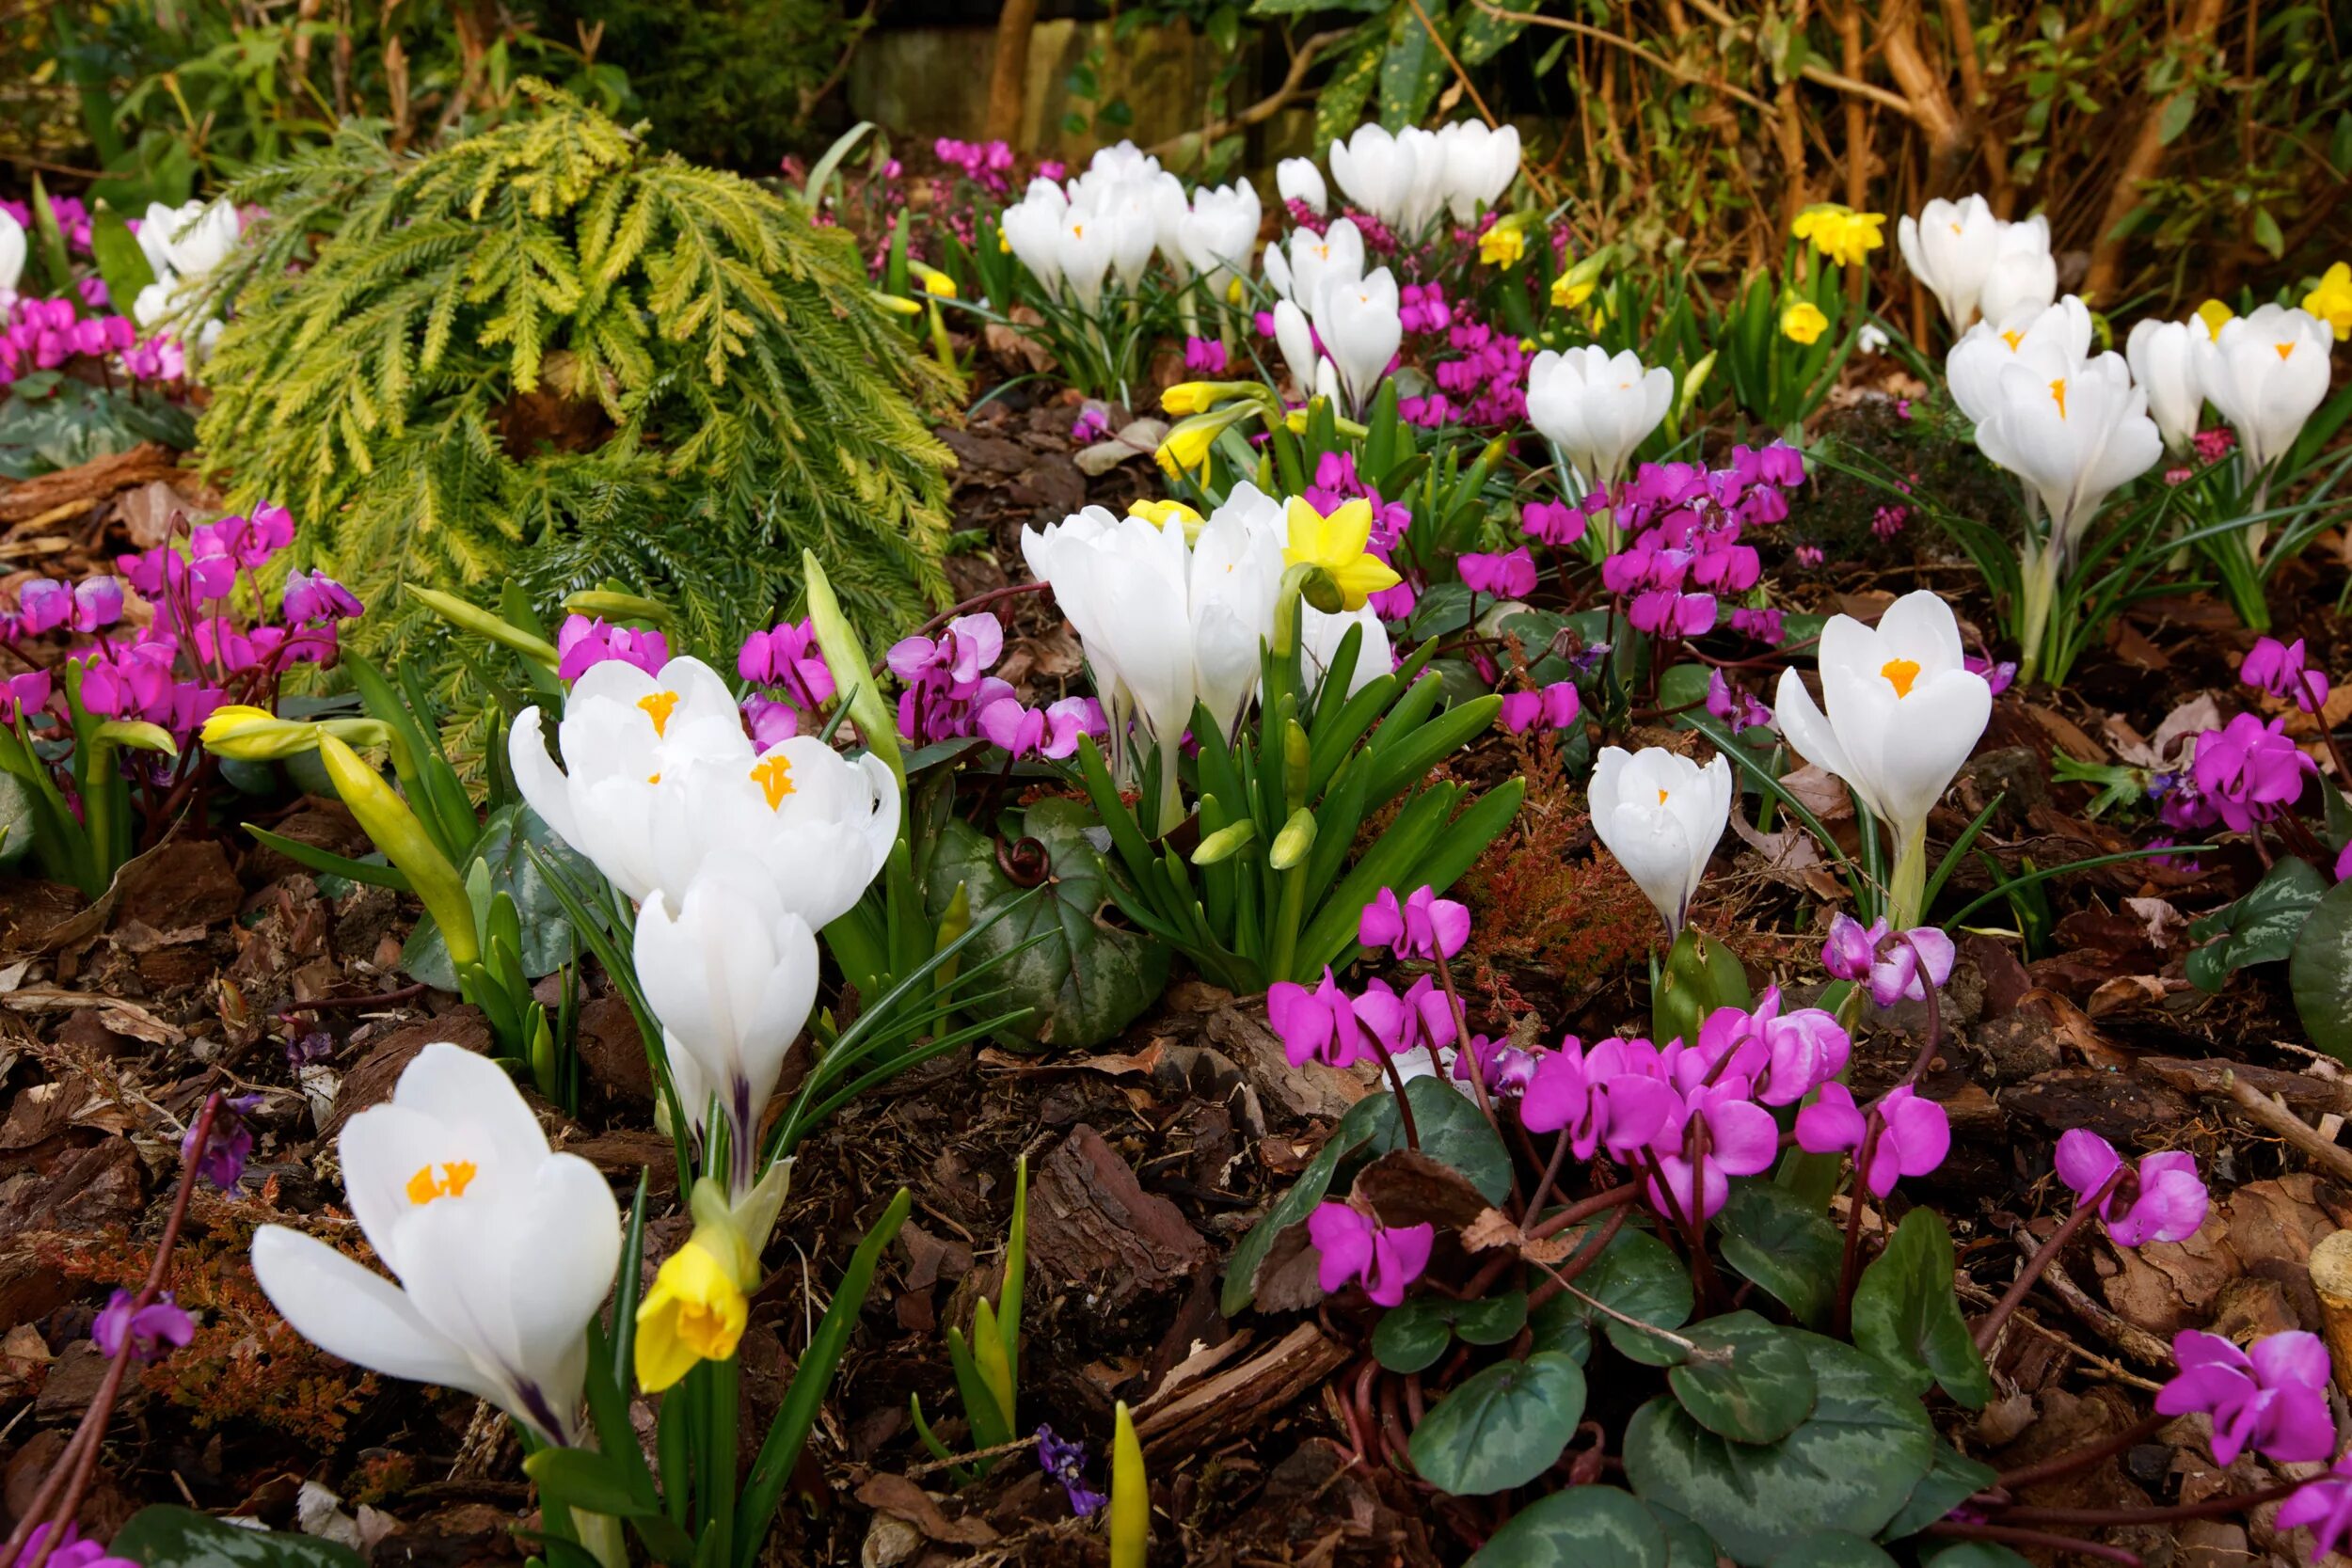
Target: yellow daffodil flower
[(695, 1312), (1568, 294), (1190, 397), (2215, 315), (1804, 322), (935, 282), (1158, 513), (2332, 302), (1841, 234), (1337, 543), (1503, 246)]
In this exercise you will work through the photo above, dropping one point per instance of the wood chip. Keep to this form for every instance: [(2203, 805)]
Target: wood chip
[(1243, 1400)]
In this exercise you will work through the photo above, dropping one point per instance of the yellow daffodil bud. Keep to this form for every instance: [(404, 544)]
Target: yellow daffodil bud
[(1131, 1497), (1296, 421), (1191, 397), (247, 734), (386, 820), (2215, 315), (2332, 302), (1338, 545), (1804, 322), (1159, 512), (695, 1312), (1185, 450), (1233, 290), (934, 282), (1568, 294), (1503, 246)]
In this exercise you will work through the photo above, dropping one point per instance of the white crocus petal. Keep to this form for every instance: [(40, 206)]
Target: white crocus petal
[(1237, 572), (2163, 357), (154, 236), (731, 973), (1296, 338), (1597, 408), (2267, 372), (1950, 248), (1335, 255), (1032, 228), (12, 254), (1660, 815), (1319, 639), (2075, 437), (822, 824), (1900, 710), (1299, 180), (1374, 170), (1083, 249), (2053, 340), (2024, 275), (200, 240), (1277, 271), (1122, 583), (1217, 233), (1480, 165), (503, 1250), (1424, 156), (1361, 328)]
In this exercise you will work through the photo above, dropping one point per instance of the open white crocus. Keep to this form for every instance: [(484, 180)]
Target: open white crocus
[(2023, 273), (1217, 232), (502, 1251), (818, 825), (626, 737), (1377, 172), (1296, 271), (1480, 161), (1660, 815), (2163, 357), (1361, 325), (1900, 713), (1032, 228), (1237, 572), (731, 972), (1299, 180), (12, 254), (1949, 247), (2051, 339), (1597, 408), (2267, 372)]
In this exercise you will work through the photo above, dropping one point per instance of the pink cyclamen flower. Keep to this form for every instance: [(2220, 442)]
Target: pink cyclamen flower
[(1401, 1023), (1852, 947), (1423, 926), (971, 644), (28, 693), (149, 1330), (1740, 1139), (72, 1551), (1916, 1137), (2344, 862), (313, 596), (1556, 707), (1050, 731), (2164, 1200), (1512, 574), (228, 1145), (2272, 1399), (788, 655), (1204, 356), (1506, 1068), (1356, 1248), (2249, 771), (2325, 1504), (2283, 670), (1665, 612), (1555, 523), (1737, 709), (1766, 625), (43, 606), (1897, 972), (584, 643), (1318, 1026), (1613, 1096)]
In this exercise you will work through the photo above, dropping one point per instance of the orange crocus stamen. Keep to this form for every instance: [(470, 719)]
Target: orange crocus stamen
[(1900, 673)]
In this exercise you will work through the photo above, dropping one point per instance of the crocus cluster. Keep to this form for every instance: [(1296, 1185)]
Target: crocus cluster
[(1109, 222), (1406, 178), (2160, 1200), (946, 680)]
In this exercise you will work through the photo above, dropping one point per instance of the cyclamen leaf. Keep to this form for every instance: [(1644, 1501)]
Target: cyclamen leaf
[(1905, 1313), (1502, 1426), (1592, 1527)]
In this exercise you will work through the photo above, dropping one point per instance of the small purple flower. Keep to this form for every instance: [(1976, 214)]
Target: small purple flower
[(1506, 1068), (222, 1160), (1852, 947), (149, 1329), (1356, 1248), (583, 645), (1767, 626), (72, 1551), (1915, 1136), (1555, 523), (1092, 424), (1318, 1026), (2166, 1200), (2283, 671), (312, 597), (2000, 677), (1736, 707), (788, 655), (1051, 732), (1066, 1462), (1204, 356), (2272, 1400), (1423, 926), (2325, 1504), (1511, 575), (1557, 707)]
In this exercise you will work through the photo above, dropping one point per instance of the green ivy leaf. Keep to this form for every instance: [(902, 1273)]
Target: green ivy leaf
[(1905, 1313), (2261, 928), (1086, 980), (165, 1536), (2320, 971), (1784, 1244), (1832, 1550), (1593, 1527), (1951, 1479), (1849, 1468), (1760, 1394), (1502, 1426), (1409, 1338)]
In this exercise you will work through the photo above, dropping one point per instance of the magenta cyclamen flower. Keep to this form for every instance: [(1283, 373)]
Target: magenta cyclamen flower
[(1737, 709), (222, 1160), (1506, 1068), (1766, 625), (1891, 962), (28, 693), (1318, 1026), (2283, 670), (1613, 1096), (1204, 356), (72, 1551), (1555, 523), (150, 1330), (1401, 1023), (1916, 1137), (1050, 731), (788, 655), (583, 643), (2325, 1504), (2248, 771), (314, 596), (1783, 1056), (1663, 613), (1739, 1139), (1423, 926), (1511, 575), (2272, 1400), (2000, 677), (1556, 707), (1356, 1248), (2163, 1201)]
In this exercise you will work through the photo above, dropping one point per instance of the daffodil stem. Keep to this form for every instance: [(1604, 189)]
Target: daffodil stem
[(718, 1405), (601, 1534)]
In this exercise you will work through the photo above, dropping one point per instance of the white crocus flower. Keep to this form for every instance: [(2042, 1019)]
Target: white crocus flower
[(1295, 335), (1660, 814), (2266, 372), (1319, 639), (1595, 408), (504, 1251), (1131, 219), (731, 972), (12, 254), (1362, 326), (1032, 228), (2023, 273), (1426, 196), (1217, 233), (1480, 163), (1299, 271), (1236, 574), (1949, 246), (2075, 437), (2051, 340), (1299, 180), (1083, 247), (200, 238), (1376, 172), (1900, 714), (2163, 357), (819, 825), (154, 235), (625, 739)]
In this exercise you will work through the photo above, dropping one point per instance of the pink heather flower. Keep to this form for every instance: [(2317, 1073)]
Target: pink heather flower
[(2249, 771), (1050, 731), (1887, 521), (312, 597), (2325, 1504), (2281, 669), (1204, 356), (2175, 478), (2169, 1201), (1356, 1248), (1557, 707), (583, 643), (1808, 555), (1423, 926), (1915, 1136), (1613, 1096), (1421, 307), (2214, 444), (1741, 1139), (1555, 523), (1318, 1026), (788, 655), (2272, 1400), (149, 1330), (1737, 709)]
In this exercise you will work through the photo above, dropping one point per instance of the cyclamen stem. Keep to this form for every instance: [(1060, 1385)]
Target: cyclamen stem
[(1848, 1267), (1462, 1044), (1990, 1329), (2081, 1459), (2007, 1536), (2210, 1508), (1404, 1105)]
